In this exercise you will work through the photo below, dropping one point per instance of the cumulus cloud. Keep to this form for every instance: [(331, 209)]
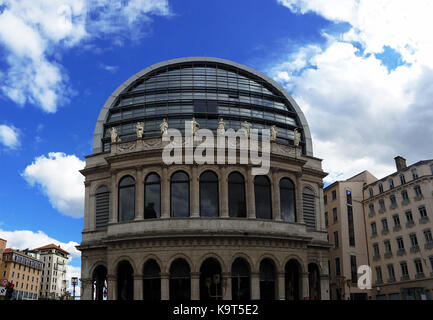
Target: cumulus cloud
[(59, 178), (43, 29), (361, 112), (26, 239), (9, 136)]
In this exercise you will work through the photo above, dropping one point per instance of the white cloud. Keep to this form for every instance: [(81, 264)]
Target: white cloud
[(9, 136), (26, 239), (361, 114), (43, 29), (60, 180), (106, 67)]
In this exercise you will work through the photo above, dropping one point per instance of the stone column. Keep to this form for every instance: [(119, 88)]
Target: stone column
[(227, 286), (223, 193), (276, 210), (251, 205), (324, 287), (195, 190), (195, 285), (165, 286), (138, 287), (87, 212), (139, 194), (255, 286), (281, 294), (112, 287), (305, 285), (86, 289), (165, 193), (113, 199), (299, 207)]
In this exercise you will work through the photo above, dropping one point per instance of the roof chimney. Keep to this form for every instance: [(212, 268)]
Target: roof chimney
[(400, 163)]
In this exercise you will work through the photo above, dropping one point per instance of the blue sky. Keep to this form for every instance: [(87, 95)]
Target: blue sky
[(346, 75)]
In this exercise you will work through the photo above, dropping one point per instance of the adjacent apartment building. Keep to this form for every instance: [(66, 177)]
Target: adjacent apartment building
[(387, 225), (399, 219), (22, 270), (344, 220), (53, 284)]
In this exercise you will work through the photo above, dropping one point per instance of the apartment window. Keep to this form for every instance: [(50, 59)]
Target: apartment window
[(414, 174), (379, 275), (402, 179), (334, 194), (409, 217), (400, 243), (405, 196), (351, 225), (422, 212), (431, 262), (393, 201), (325, 199), (353, 269), (384, 225), (404, 269), (418, 192), (418, 266), (336, 239), (391, 272), (428, 236), (387, 245), (376, 251), (380, 188), (391, 184), (431, 169), (334, 215), (326, 218), (370, 191), (349, 197), (371, 208), (396, 219), (382, 205), (373, 228), (413, 240), (337, 266)]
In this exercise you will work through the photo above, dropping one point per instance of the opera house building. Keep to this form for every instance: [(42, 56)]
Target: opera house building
[(189, 231)]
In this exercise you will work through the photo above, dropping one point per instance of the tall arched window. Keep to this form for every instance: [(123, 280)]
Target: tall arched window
[(127, 199), (179, 192), (152, 196), (287, 200), (180, 280), (102, 207), (262, 193), (209, 200), (309, 207), (240, 280), (267, 280), (151, 281), (236, 192), (125, 281)]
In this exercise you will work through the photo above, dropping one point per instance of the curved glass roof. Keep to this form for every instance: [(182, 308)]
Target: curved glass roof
[(206, 90)]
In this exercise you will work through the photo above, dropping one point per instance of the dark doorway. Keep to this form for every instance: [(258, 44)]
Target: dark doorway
[(267, 279), (180, 280), (125, 281), (292, 274), (151, 281), (99, 283), (240, 280), (314, 281), (210, 280)]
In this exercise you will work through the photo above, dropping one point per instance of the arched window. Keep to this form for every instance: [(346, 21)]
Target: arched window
[(236, 193), (102, 207), (210, 280), (180, 280), (209, 200), (151, 281), (125, 281), (179, 192), (240, 280), (262, 193), (152, 196), (267, 280), (287, 200), (309, 207), (127, 199)]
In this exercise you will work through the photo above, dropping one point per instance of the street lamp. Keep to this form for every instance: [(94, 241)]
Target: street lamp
[(74, 281)]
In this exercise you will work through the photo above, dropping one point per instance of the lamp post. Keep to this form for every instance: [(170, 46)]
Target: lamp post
[(74, 281)]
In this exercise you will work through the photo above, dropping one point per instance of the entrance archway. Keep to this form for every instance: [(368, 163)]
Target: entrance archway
[(241, 280), (180, 280), (292, 279), (99, 283), (125, 281), (314, 281), (210, 280), (151, 281)]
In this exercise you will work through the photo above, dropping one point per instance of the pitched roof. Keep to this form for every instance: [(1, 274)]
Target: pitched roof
[(51, 246)]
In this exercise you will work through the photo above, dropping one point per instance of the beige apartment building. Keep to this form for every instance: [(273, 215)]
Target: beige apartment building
[(398, 217), (344, 220)]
